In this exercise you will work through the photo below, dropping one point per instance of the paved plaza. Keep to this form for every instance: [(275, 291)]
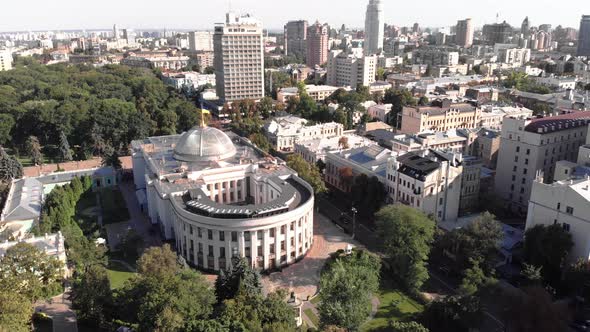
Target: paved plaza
[(303, 277)]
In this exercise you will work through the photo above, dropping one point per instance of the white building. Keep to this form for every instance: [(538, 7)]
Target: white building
[(492, 117), (284, 132), (427, 180), (220, 197), (200, 41), (560, 83), (239, 58), (351, 69), (451, 140), (514, 56), (189, 82), (50, 244), (316, 149), (380, 112), (374, 27), (369, 160), (5, 60), (317, 92)]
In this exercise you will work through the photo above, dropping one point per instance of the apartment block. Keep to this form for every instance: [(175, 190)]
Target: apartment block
[(239, 58), (351, 70), (442, 115), (529, 150), (5, 60)]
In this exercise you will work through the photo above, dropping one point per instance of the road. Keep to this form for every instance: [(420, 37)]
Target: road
[(59, 309)]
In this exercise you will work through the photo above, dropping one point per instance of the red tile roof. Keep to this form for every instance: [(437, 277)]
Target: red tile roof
[(559, 122)]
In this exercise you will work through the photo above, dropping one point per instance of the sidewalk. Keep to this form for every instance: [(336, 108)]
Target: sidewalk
[(59, 309)]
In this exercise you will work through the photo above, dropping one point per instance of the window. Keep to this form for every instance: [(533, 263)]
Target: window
[(518, 149), (514, 169), (272, 232), (569, 210), (222, 252), (526, 161), (566, 227), (558, 206), (221, 236), (528, 152), (440, 201), (210, 234), (515, 159), (199, 234), (234, 236), (190, 229)]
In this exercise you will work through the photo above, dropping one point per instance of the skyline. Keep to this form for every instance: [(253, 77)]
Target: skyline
[(36, 16)]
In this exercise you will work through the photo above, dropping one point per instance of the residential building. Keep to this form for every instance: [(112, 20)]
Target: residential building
[(284, 132), (239, 59), (380, 112), (188, 82), (317, 92), (514, 56), (482, 94), (470, 185), (350, 70), (492, 117), (295, 35), (486, 147), (435, 57), (584, 36), (318, 36), (529, 150), (50, 244), (442, 115), (165, 61), (560, 83), (427, 180), (497, 33), (316, 149), (374, 28), (201, 41), (465, 31), (218, 197), (343, 166), (5, 60), (452, 140)]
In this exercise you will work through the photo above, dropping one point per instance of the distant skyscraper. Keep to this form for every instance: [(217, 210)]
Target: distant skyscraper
[(584, 36), (239, 58), (200, 41), (295, 38), (498, 33), (115, 32), (317, 44), (129, 36), (525, 27), (545, 27), (374, 28), (465, 33), (416, 28)]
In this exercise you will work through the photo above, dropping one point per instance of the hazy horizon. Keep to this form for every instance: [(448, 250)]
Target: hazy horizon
[(36, 15)]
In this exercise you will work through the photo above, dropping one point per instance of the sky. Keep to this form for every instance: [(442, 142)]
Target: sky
[(18, 15)]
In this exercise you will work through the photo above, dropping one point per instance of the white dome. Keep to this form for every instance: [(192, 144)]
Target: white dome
[(202, 144)]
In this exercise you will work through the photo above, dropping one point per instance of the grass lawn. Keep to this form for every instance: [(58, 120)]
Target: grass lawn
[(312, 316), (118, 274), (394, 304), (113, 206)]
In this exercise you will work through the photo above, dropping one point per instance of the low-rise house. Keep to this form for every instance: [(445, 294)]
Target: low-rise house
[(284, 132), (316, 149)]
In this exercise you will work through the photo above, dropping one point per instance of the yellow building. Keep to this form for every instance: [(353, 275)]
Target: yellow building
[(442, 115)]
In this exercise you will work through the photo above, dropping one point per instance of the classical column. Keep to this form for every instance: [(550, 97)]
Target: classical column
[(228, 250), (236, 199), (211, 193), (297, 232), (266, 248), (226, 187), (254, 247), (241, 244), (215, 256), (288, 241), (206, 253), (278, 246)]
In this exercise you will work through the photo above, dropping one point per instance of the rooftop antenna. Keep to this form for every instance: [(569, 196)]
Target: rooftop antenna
[(497, 18)]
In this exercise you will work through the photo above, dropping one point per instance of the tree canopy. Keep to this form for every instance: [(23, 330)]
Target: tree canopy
[(308, 172), (547, 247)]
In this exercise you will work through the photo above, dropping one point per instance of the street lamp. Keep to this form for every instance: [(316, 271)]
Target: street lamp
[(354, 211)]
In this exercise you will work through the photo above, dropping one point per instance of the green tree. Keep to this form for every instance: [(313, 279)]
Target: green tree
[(209, 70), (307, 172), (531, 274), (406, 236), (368, 194), (397, 326), (157, 261), (34, 150), (111, 158), (30, 272), (576, 278), (474, 279), (92, 296), (547, 247), (239, 277), (131, 245), (65, 153), (346, 289), (6, 124), (260, 141), (453, 313), (15, 312), (10, 167), (399, 99), (536, 311)]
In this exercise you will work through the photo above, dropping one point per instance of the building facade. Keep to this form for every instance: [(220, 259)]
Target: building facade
[(318, 36), (284, 132), (239, 59), (374, 28), (5, 60), (464, 33), (314, 150), (443, 115), (200, 41), (529, 150), (295, 35), (218, 197), (435, 57), (584, 36), (350, 70)]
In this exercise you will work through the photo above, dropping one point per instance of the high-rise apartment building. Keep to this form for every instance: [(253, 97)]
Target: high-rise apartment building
[(374, 28), (239, 58), (584, 36), (351, 70), (497, 33), (465, 33), (5, 60), (200, 41), (115, 32), (525, 27), (529, 149), (295, 38), (318, 36)]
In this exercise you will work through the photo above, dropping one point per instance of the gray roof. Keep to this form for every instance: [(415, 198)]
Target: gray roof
[(202, 144), (23, 201)]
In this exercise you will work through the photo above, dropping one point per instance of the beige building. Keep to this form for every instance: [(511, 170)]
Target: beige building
[(317, 92), (529, 150), (200, 41), (284, 132), (465, 33), (350, 70), (443, 115), (239, 58), (427, 180), (450, 140), (492, 116), (5, 60)]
